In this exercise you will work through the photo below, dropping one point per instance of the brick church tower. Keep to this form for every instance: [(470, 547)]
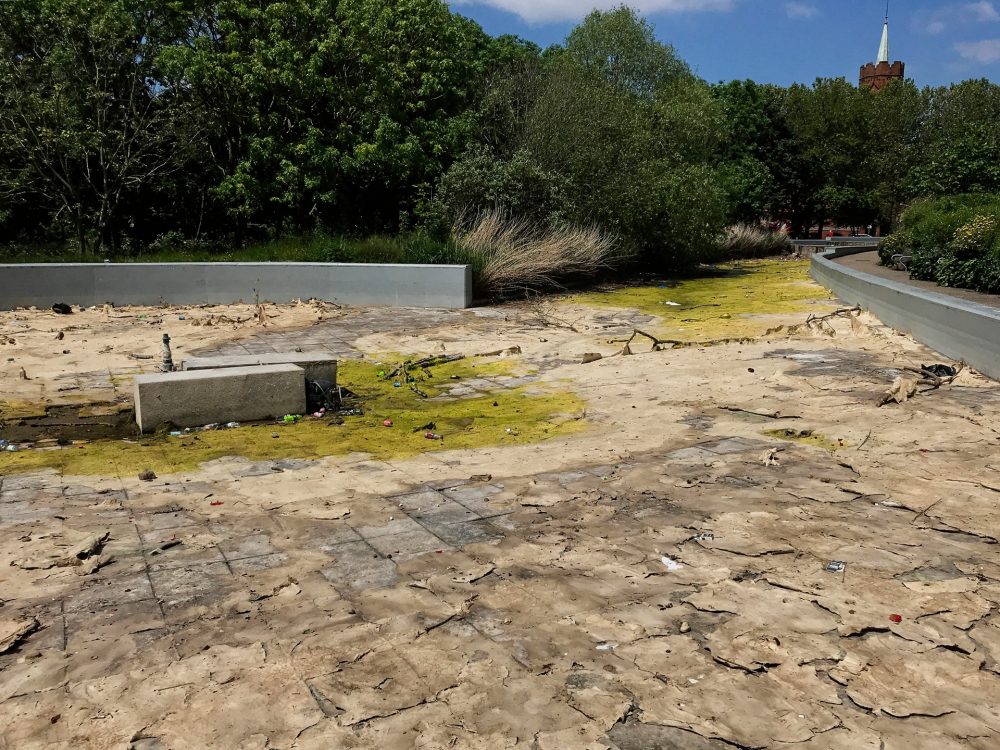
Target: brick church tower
[(876, 76)]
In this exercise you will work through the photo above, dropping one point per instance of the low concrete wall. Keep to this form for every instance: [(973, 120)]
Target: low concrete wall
[(814, 247), (957, 328), (43, 284)]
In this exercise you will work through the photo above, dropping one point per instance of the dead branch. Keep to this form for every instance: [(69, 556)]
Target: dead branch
[(844, 312), (775, 415), (423, 364)]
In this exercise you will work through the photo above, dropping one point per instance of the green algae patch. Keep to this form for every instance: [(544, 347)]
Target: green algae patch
[(494, 417), (808, 437), (371, 379), (735, 303)]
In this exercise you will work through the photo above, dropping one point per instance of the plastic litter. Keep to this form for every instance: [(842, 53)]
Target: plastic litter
[(176, 433), (291, 418), (11, 447), (3, 445), (397, 384), (672, 565), (387, 423), (896, 618), (835, 566), (208, 427), (61, 308), (941, 371), (433, 436), (232, 425), (215, 503), (321, 395)]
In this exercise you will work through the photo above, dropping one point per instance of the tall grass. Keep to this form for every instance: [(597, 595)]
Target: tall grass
[(516, 257), (748, 241)]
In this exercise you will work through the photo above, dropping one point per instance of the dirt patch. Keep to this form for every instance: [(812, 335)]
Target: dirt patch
[(64, 424)]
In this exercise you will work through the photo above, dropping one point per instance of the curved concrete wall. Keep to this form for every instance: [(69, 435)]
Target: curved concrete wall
[(957, 328), (43, 284)]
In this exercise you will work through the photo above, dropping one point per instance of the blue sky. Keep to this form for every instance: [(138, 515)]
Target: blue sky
[(785, 41)]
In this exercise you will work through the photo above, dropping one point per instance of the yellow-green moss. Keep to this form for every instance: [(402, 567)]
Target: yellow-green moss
[(808, 437), (520, 416), (732, 305)]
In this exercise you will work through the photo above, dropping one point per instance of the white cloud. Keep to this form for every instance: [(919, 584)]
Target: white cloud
[(957, 15), (545, 11), (983, 11), (986, 52), (801, 10)]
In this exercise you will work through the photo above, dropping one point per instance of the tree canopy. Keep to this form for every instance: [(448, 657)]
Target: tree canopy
[(219, 121)]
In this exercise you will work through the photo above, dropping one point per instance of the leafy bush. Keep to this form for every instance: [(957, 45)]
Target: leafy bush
[(933, 223), (517, 186), (897, 243), (748, 241), (974, 239), (955, 241)]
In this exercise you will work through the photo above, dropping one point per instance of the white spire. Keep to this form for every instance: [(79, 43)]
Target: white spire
[(883, 49)]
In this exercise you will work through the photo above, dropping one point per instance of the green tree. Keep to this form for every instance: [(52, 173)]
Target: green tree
[(893, 118), (827, 123), (959, 140), (621, 48), (79, 111)]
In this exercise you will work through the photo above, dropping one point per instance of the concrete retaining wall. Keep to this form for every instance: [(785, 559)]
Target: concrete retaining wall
[(957, 328), (87, 284)]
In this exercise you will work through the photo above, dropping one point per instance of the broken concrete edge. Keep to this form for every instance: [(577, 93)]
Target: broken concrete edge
[(959, 329), (233, 394), (398, 285), (317, 365)]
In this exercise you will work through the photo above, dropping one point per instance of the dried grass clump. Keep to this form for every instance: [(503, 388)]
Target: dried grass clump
[(516, 257), (748, 241)]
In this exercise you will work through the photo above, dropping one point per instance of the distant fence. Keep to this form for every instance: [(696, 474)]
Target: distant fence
[(42, 284), (957, 328)]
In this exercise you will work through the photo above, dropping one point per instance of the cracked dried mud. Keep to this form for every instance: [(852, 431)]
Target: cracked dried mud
[(654, 577)]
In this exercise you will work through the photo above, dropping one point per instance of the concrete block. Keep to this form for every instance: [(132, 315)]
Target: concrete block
[(232, 394), (317, 365)]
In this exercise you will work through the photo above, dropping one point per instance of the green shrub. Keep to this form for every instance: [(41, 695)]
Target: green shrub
[(974, 239), (924, 263), (480, 182), (933, 222), (957, 272), (955, 241), (897, 243)]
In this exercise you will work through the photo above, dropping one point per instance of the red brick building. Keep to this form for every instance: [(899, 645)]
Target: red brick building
[(876, 76)]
